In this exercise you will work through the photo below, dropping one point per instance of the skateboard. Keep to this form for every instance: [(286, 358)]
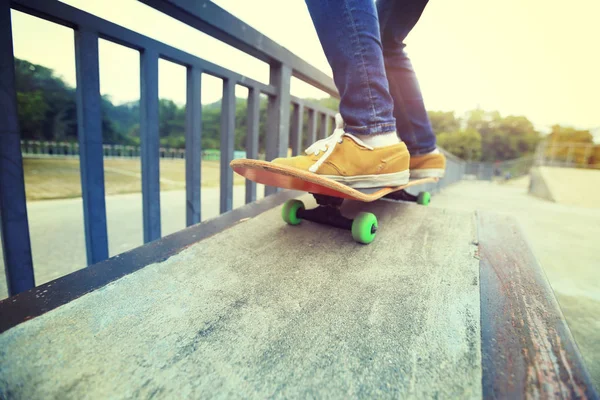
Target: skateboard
[(329, 195)]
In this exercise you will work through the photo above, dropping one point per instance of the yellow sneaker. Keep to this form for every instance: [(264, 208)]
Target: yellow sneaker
[(345, 158), (431, 165)]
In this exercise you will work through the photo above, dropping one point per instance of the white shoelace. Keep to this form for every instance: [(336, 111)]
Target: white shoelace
[(328, 144)]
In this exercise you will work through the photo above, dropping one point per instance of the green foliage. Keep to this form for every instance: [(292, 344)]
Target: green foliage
[(32, 112), (464, 144), (443, 121), (559, 146), (502, 138), (47, 111), (568, 134)]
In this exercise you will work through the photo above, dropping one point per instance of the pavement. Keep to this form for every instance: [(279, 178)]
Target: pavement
[(57, 235)]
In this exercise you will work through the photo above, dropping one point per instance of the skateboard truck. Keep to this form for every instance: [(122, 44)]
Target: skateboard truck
[(363, 227), (327, 213), (329, 195), (422, 198)]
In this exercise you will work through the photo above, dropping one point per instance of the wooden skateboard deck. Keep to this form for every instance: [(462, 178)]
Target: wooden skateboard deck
[(291, 178)]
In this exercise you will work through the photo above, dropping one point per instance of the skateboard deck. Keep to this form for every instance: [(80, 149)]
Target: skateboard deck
[(291, 178), (329, 195)]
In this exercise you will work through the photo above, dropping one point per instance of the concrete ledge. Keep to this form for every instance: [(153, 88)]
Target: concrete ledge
[(264, 309)]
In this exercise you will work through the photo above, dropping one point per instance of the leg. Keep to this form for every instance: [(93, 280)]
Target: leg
[(397, 18), (364, 151), (350, 35)]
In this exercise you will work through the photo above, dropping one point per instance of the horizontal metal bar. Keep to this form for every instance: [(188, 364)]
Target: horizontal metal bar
[(209, 18), (16, 244), (89, 132), (64, 14)]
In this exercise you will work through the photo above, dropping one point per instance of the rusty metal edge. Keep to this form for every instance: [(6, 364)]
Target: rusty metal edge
[(527, 348), (29, 304)]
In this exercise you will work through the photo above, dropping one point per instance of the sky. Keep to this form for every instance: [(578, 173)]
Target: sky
[(537, 58)]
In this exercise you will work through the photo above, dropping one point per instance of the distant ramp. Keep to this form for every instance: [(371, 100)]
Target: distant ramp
[(571, 186)]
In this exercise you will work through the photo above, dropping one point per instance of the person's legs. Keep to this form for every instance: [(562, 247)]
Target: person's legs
[(397, 18), (364, 150), (349, 33)]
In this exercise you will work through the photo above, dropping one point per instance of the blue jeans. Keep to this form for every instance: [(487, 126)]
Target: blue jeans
[(379, 91)]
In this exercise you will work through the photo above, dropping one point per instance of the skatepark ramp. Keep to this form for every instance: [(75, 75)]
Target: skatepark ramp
[(446, 304), (571, 186)]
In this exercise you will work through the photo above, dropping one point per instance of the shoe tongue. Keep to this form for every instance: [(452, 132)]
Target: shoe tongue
[(339, 121)]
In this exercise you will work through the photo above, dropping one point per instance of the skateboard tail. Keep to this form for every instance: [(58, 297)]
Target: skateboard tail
[(287, 182)]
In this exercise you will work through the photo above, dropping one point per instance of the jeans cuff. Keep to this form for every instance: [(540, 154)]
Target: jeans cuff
[(421, 152), (376, 129)]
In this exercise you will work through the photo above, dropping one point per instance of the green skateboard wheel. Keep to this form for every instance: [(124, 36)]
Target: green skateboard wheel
[(424, 198), (364, 227), (289, 212)]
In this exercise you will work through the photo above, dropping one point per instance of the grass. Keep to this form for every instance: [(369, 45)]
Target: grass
[(58, 178)]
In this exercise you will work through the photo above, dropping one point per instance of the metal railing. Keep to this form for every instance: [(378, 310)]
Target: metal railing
[(42, 149), (202, 15), (507, 169), (285, 128), (568, 154)]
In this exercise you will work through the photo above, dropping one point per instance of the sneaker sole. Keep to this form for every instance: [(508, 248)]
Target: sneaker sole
[(427, 173), (371, 181)]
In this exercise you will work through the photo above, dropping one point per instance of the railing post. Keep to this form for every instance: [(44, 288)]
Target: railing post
[(570, 155), (89, 124), (227, 143), (323, 126), (586, 155), (296, 134), (16, 244), (253, 119), (193, 147), (312, 127), (150, 144), (278, 116)]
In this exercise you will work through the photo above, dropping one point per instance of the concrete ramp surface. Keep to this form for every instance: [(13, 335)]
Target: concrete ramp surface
[(443, 304), (264, 309)]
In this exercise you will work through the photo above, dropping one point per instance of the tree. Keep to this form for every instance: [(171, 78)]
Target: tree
[(464, 144), (443, 121), (32, 113), (503, 138), (572, 145), (569, 134)]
